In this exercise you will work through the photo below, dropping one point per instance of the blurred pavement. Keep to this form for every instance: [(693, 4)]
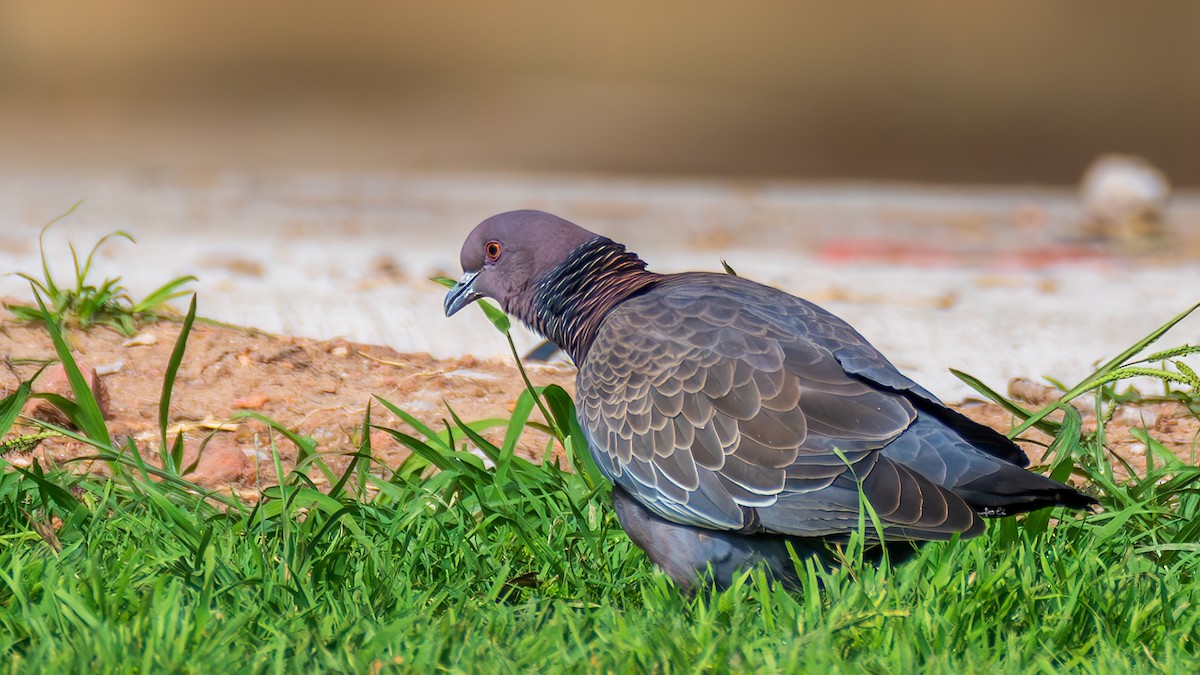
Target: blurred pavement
[(994, 282)]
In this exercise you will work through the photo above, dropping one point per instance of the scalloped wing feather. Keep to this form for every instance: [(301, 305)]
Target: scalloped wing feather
[(719, 403)]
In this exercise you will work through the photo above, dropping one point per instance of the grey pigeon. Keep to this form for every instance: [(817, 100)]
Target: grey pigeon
[(735, 419)]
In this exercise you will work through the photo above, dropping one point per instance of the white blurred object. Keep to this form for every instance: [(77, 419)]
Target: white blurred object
[(1124, 198)]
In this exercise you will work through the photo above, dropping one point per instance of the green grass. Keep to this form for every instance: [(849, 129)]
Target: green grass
[(84, 304), (522, 567)]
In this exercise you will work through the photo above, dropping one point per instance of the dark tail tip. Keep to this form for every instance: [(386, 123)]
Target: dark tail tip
[(1074, 499), (1021, 493)]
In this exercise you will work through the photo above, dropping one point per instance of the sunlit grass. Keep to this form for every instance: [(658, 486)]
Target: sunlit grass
[(85, 303)]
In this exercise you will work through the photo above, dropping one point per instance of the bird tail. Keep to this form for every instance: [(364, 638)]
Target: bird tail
[(1014, 490)]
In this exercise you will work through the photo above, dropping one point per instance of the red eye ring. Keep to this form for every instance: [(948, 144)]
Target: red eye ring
[(492, 250)]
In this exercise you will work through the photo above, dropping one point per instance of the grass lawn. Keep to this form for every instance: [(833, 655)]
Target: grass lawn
[(477, 572)]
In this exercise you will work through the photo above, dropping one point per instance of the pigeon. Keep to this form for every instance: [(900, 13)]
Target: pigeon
[(741, 425)]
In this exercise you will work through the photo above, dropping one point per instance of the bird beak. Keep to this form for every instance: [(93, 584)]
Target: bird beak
[(462, 294)]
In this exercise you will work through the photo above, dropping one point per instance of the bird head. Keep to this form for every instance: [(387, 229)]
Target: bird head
[(505, 256)]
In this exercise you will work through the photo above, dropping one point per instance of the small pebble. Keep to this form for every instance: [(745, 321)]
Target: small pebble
[(110, 368), (141, 340), (252, 402)]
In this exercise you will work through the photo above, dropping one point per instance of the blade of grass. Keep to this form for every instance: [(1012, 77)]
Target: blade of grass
[(563, 411), (356, 460), (66, 406), (423, 429), (485, 446), (306, 448), (164, 400), (49, 491), (11, 406), (1062, 455), (91, 419), (443, 460), (1013, 409), (1091, 381), (165, 293), (81, 275), (516, 426), (50, 286)]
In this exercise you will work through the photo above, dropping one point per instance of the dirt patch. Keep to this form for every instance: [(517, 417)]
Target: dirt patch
[(321, 389)]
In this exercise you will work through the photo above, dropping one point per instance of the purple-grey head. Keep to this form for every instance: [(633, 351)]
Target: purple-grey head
[(505, 256)]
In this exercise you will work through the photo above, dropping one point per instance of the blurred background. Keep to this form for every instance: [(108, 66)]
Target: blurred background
[(926, 90), (917, 167)]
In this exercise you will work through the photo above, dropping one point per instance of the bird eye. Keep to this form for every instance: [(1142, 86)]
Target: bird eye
[(492, 250)]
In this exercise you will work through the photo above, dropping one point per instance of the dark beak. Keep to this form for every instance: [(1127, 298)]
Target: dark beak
[(462, 294)]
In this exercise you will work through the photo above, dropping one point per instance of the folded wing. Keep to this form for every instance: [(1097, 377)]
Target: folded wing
[(713, 404)]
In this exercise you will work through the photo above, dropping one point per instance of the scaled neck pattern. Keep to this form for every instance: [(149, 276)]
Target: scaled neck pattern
[(571, 301)]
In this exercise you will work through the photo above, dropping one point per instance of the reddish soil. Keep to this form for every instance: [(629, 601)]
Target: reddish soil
[(319, 389), (322, 389)]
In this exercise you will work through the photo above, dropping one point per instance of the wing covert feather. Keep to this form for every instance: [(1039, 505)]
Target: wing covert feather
[(710, 401)]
